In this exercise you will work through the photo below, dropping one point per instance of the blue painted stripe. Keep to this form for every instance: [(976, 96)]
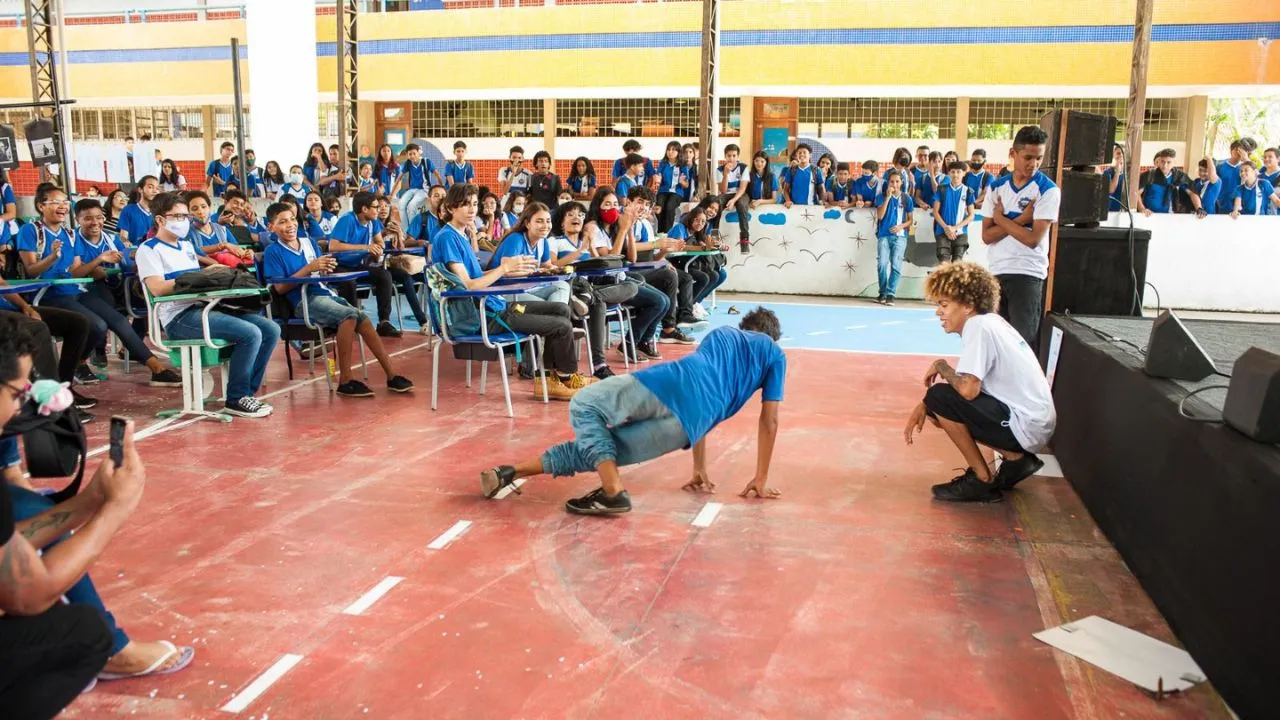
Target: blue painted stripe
[(733, 38)]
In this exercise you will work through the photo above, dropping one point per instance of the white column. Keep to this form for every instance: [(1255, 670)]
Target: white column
[(283, 113)]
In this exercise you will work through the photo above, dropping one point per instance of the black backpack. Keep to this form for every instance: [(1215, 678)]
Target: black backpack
[(55, 445)]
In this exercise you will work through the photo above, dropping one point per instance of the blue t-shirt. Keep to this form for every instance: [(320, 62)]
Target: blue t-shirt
[(582, 183), (417, 173), (9, 456), (88, 252), (351, 231), (756, 189), (222, 172), (977, 181), (669, 177), (620, 168), (897, 212), (867, 187), (1273, 178), (841, 192), (918, 176), (711, 385), (1158, 193), (280, 260), (135, 221), (928, 193), (623, 186), (451, 246), (30, 240), (801, 183), (386, 175), (952, 203), (1118, 199), (455, 173), (211, 233), (1253, 201), (1230, 176), (515, 245), (678, 232), (1208, 195)]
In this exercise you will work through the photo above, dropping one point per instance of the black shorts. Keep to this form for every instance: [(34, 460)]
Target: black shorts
[(986, 417), (948, 249)]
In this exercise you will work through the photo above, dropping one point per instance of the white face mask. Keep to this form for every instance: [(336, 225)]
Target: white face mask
[(178, 227), (517, 209), (296, 178)]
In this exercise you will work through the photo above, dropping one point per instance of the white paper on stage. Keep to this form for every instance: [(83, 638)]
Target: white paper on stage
[(90, 163), (1140, 659), (117, 164), (144, 160)]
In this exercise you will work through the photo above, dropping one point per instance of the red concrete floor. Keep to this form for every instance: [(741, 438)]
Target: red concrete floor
[(854, 596)]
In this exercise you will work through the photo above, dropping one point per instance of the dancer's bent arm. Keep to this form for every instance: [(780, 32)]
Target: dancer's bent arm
[(767, 434)]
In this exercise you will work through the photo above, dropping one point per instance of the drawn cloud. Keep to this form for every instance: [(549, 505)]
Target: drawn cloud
[(832, 214), (773, 219)]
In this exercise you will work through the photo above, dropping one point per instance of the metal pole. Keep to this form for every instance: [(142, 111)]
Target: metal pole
[(238, 108), (342, 86), (1138, 99), (348, 87), (709, 106), (44, 77), (64, 112)]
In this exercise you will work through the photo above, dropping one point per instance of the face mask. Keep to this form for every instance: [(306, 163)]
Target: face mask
[(198, 222), (610, 216), (517, 209), (296, 178), (178, 227), (249, 162), (976, 166)]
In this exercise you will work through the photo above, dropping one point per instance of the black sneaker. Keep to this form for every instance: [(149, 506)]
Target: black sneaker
[(355, 388), (85, 418), (491, 481), (880, 300), (248, 406), (166, 378), (603, 372), (688, 321), (387, 330), (597, 503), (525, 373), (1012, 472), (888, 300), (674, 336), (99, 358), (649, 351), (85, 376), (83, 402), (967, 488), (400, 384)]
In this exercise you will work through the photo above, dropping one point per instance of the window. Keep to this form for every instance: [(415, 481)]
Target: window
[(477, 118), (224, 123), (636, 117), (999, 119), (18, 119), (906, 118), (328, 120), (117, 123)]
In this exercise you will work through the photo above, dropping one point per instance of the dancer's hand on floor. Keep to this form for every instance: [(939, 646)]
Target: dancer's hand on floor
[(915, 423), (700, 483), (760, 489)]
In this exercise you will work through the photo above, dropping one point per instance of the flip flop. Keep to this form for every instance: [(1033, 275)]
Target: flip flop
[(187, 655)]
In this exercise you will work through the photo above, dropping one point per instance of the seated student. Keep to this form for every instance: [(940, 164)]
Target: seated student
[(1254, 196), (394, 238), (927, 182), (220, 172), (630, 419), (97, 252), (253, 175), (1117, 188), (670, 175), (638, 244), (135, 219), (564, 197), (996, 395), (424, 227), (893, 224), (633, 177), (294, 256), (414, 178), (582, 179), (551, 321), (977, 178), (841, 192), (321, 173), (253, 337), (733, 191), (762, 185), (707, 273), (458, 170), (315, 222), (1204, 190), (801, 184), (528, 237), (273, 180), (869, 186), (1162, 185), (544, 185), (512, 209), (622, 165), (44, 325), (952, 212), (514, 176), (295, 186), (212, 240), (367, 182), (488, 228), (358, 244), (170, 179), (1271, 167), (238, 212)]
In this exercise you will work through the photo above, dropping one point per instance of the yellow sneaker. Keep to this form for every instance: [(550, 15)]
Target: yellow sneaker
[(556, 390), (577, 381)]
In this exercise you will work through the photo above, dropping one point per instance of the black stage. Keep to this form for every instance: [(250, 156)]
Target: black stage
[(1193, 508)]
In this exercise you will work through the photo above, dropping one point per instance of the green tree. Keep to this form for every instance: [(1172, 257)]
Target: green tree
[(1230, 119)]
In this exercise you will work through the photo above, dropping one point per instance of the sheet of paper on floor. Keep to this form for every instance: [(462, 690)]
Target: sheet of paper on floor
[(1140, 659)]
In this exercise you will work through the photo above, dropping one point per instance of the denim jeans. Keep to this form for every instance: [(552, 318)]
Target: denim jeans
[(557, 292), (254, 338), (890, 250), (650, 306), (410, 202), (615, 419), (28, 504)]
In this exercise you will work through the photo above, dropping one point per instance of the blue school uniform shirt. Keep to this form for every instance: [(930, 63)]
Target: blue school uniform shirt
[(756, 188), (927, 192), (801, 182), (1117, 198), (350, 230), (1229, 175), (1273, 178), (30, 239), (223, 172), (88, 251), (280, 260), (918, 175), (898, 209), (952, 203), (620, 169), (1208, 195), (517, 244), (687, 193), (136, 221), (451, 246), (867, 188), (320, 229), (1158, 196), (678, 232), (369, 185), (701, 394), (386, 175), (735, 175), (623, 186), (1253, 201), (455, 173), (6, 198), (418, 174), (582, 183), (211, 234), (669, 177), (298, 193), (977, 181), (841, 192)]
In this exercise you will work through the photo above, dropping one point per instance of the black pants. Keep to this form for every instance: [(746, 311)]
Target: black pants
[(604, 296), (678, 287), (743, 208), (552, 321), (1022, 304), (986, 417), (949, 250), (380, 280), (103, 316), (115, 294), (47, 660), (74, 330), (668, 206)]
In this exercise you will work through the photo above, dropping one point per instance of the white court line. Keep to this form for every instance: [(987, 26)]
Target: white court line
[(870, 352), (894, 322), (260, 685), (855, 327), (368, 599), (707, 514), (928, 319), (819, 332), (508, 489), (449, 535)]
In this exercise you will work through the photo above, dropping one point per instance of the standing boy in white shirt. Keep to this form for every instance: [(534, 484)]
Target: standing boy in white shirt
[(995, 396)]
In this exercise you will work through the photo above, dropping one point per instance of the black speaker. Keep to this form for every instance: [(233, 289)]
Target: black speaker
[(1091, 272), (1172, 351), (1090, 138), (1253, 398), (1085, 198)]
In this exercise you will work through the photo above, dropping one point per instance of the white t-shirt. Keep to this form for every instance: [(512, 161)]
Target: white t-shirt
[(561, 246), (998, 356), (1010, 257), (519, 181), (157, 258)]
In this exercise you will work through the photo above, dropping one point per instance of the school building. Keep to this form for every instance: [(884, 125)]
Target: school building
[(577, 77)]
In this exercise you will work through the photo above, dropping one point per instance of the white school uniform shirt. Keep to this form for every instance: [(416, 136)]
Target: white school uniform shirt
[(170, 187), (1008, 256), (157, 258), (519, 181), (997, 355)]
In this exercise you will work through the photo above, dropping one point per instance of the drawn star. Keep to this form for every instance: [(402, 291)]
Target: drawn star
[(807, 215), (784, 243), (849, 267), (858, 239)]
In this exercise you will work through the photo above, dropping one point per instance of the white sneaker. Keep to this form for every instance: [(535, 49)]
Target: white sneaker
[(700, 312)]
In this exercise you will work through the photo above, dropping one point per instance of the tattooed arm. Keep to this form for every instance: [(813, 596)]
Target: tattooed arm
[(967, 385), (41, 530)]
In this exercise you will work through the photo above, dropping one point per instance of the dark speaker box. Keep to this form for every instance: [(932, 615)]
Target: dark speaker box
[(1091, 272), (1253, 397), (1084, 196), (1172, 351), (1090, 138)]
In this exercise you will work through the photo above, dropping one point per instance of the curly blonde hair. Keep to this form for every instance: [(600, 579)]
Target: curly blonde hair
[(964, 282)]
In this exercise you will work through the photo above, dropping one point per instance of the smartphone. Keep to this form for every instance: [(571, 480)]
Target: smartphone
[(118, 425)]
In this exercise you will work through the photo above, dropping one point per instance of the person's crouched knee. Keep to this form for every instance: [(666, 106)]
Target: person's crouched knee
[(942, 400)]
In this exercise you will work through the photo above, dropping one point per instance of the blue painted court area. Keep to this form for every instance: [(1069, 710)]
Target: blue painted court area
[(850, 328)]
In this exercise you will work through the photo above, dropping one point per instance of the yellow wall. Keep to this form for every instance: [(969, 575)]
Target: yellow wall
[(985, 62)]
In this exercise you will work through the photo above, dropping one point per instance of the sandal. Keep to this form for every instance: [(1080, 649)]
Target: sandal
[(186, 655)]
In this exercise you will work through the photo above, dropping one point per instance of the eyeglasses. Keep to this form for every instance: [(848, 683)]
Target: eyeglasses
[(178, 216), (20, 395)]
